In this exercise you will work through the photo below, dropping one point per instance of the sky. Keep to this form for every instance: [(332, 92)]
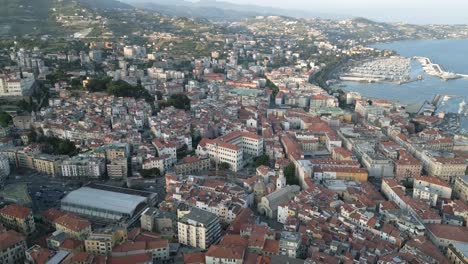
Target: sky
[(410, 11)]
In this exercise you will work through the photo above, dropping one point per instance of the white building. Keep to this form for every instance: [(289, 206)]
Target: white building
[(83, 167), (233, 148), (431, 188), (198, 228), (16, 85)]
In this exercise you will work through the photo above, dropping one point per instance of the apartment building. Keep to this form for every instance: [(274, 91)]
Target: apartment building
[(83, 167), (431, 188), (163, 163), (233, 148), (457, 253), (444, 235), (73, 226), (348, 174), (20, 84), (101, 242), (461, 188), (290, 244), (117, 168), (448, 169), (190, 165), (12, 247), (406, 166), (48, 164), (198, 228), (19, 218), (159, 249)]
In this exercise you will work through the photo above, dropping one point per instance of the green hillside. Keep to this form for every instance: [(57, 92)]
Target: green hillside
[(21, 17)]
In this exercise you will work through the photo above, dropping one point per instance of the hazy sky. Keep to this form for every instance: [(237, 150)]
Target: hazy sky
[(411, 11)]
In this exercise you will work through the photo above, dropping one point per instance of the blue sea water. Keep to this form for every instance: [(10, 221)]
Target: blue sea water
[(451, 54)]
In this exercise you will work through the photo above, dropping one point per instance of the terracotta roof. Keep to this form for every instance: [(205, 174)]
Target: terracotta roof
[(194, 258), (41, 255), (71, 244), (234, 240), (52, 214), (226, 252), (433, 180), (73, 222), (16, 211), (455, 233), (133, 259), (271, 246), (10, 238)]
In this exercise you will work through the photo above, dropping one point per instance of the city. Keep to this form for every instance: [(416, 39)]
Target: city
[(156, 133)]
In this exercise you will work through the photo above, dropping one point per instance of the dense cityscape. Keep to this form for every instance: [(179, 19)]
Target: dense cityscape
[(129, 135)]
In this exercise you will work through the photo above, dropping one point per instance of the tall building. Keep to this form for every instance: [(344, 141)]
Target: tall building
[(118, 168), (20, 84), (290, 244), (198, 228), (12, 247), (4, 169), (83, 167), (19, 218)]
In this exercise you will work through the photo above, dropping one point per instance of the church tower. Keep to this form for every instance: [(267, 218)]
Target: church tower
[(281, 180)]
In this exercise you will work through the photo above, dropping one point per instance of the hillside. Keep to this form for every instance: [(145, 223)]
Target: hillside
[(220, 10), (20, 17)]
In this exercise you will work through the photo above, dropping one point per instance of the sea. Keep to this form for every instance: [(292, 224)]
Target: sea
[(451, 54)]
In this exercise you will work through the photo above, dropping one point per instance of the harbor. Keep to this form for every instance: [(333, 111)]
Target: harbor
[(436, 70), (393, 69)]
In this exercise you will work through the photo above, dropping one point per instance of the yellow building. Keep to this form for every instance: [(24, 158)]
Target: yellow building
[(348, 174), (47, 164), (461, 188), (19, 218), (74, 226), (192, 165), (101, 242), (457, 253)]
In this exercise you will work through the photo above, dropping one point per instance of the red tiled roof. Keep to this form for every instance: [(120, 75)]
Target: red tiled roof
[(52, 214), (10, 238), (271, 246), (226, 252), (132, 259), (16, 211), (194, 258), (433, 180), (456, 233), (73, 222)]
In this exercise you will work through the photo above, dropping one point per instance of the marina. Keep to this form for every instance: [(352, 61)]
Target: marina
[(449, 53), (393, 69)]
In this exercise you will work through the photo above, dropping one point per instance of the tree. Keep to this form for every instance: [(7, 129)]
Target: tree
[(262, 160), (290, 174), (123, 89), (224, 166), (5, 119), (54, 145), (151, 173), (179, 101), (98, 85), (182, 152), (159, 95)]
